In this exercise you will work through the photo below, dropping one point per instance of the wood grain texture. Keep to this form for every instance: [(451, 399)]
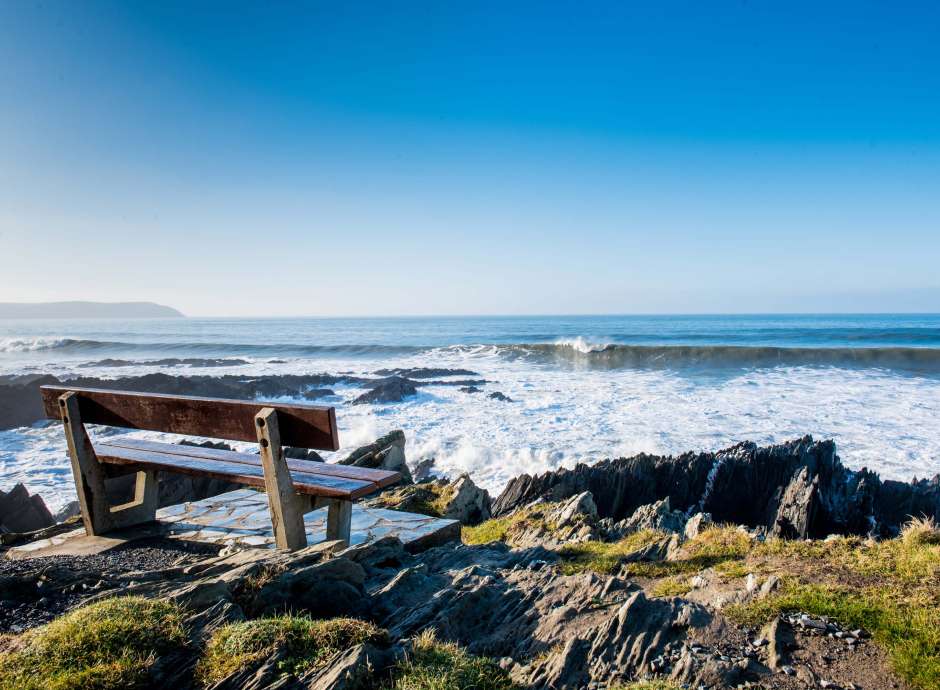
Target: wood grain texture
[(287, 515), (380, 478), (301, 425), (239, 472), (98, 515), (86, 470)]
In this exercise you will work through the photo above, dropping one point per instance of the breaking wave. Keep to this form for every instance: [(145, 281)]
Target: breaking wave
[(578, 352), (617, 356)]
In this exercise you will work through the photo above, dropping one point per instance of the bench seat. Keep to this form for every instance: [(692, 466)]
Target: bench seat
[(307, 477), (293, 487)]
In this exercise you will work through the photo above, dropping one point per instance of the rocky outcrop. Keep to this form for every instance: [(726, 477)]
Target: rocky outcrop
[(425, 372), (22, 512), (386, 452), (496, 395), (797, 489), (467, 502), (20, 403), (461, 500), (392, 389)]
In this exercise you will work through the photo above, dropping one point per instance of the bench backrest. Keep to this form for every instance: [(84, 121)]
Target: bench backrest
[(301, 425)]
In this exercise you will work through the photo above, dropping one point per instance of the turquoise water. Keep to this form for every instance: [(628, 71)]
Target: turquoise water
[(906, 341), (583, 388)]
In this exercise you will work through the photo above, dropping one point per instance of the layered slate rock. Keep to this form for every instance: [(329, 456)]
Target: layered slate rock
[(798, 489), (22, 512)]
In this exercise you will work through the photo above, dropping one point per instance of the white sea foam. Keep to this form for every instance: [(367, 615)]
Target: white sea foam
[(562, 416), (32, 344), (584, 345)]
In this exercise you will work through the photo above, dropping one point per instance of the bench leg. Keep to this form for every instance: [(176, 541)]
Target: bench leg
[(339, 521), (98, 515), (287, 507)]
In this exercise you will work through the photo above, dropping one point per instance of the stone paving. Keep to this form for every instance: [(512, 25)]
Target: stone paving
[(242, 518)]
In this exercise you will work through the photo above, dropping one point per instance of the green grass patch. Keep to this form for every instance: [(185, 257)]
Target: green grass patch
[(504, 528), (671, 587), (908, 629), (605, 557), (103, 646), (436, 665), (307, 643)]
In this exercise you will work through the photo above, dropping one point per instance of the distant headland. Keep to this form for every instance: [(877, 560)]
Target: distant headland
[(86, 310)]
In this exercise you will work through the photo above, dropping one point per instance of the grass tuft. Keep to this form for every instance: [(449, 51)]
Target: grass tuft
[(921, 531), (606, 557), (504, 528), (649, 685), (671, 587), (436, 665), (305, 643), (103, 646)]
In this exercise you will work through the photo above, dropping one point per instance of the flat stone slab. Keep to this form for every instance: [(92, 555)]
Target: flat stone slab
[(242, 518)]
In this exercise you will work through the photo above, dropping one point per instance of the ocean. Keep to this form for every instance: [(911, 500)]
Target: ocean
[(583, 388)]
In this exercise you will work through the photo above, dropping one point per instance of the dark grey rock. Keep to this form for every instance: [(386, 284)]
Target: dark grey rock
[(22, 512), (798, 489), (393, 389)]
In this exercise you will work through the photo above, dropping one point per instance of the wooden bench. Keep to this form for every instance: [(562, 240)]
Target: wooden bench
[(293, 487)]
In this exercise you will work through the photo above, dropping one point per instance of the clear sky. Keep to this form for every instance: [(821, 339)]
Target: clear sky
[(472, 158)]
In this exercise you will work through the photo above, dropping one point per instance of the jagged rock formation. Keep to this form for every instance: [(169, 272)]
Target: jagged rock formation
[(797, 489), (22, 512), (386, 452)]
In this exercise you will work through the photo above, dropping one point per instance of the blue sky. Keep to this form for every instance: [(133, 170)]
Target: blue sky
[(472, 158)]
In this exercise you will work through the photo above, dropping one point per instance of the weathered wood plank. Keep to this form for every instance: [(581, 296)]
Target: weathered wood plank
[(242, 473), (302, 425), (339, 521), (88, 473), (98, 516), (287, 516), (381, 478)]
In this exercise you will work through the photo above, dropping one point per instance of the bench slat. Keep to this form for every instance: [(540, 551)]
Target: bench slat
[(243, 473), (380, 478), (301, 425)]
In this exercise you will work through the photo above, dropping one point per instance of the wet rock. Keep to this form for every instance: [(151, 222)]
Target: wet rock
[(317, 393), (425, 372), (392, 389), (470, 389), (496, 395), (22, 512)]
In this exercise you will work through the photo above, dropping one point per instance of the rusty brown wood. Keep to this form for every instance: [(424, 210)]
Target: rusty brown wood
[(380, 478), (302, 425)]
